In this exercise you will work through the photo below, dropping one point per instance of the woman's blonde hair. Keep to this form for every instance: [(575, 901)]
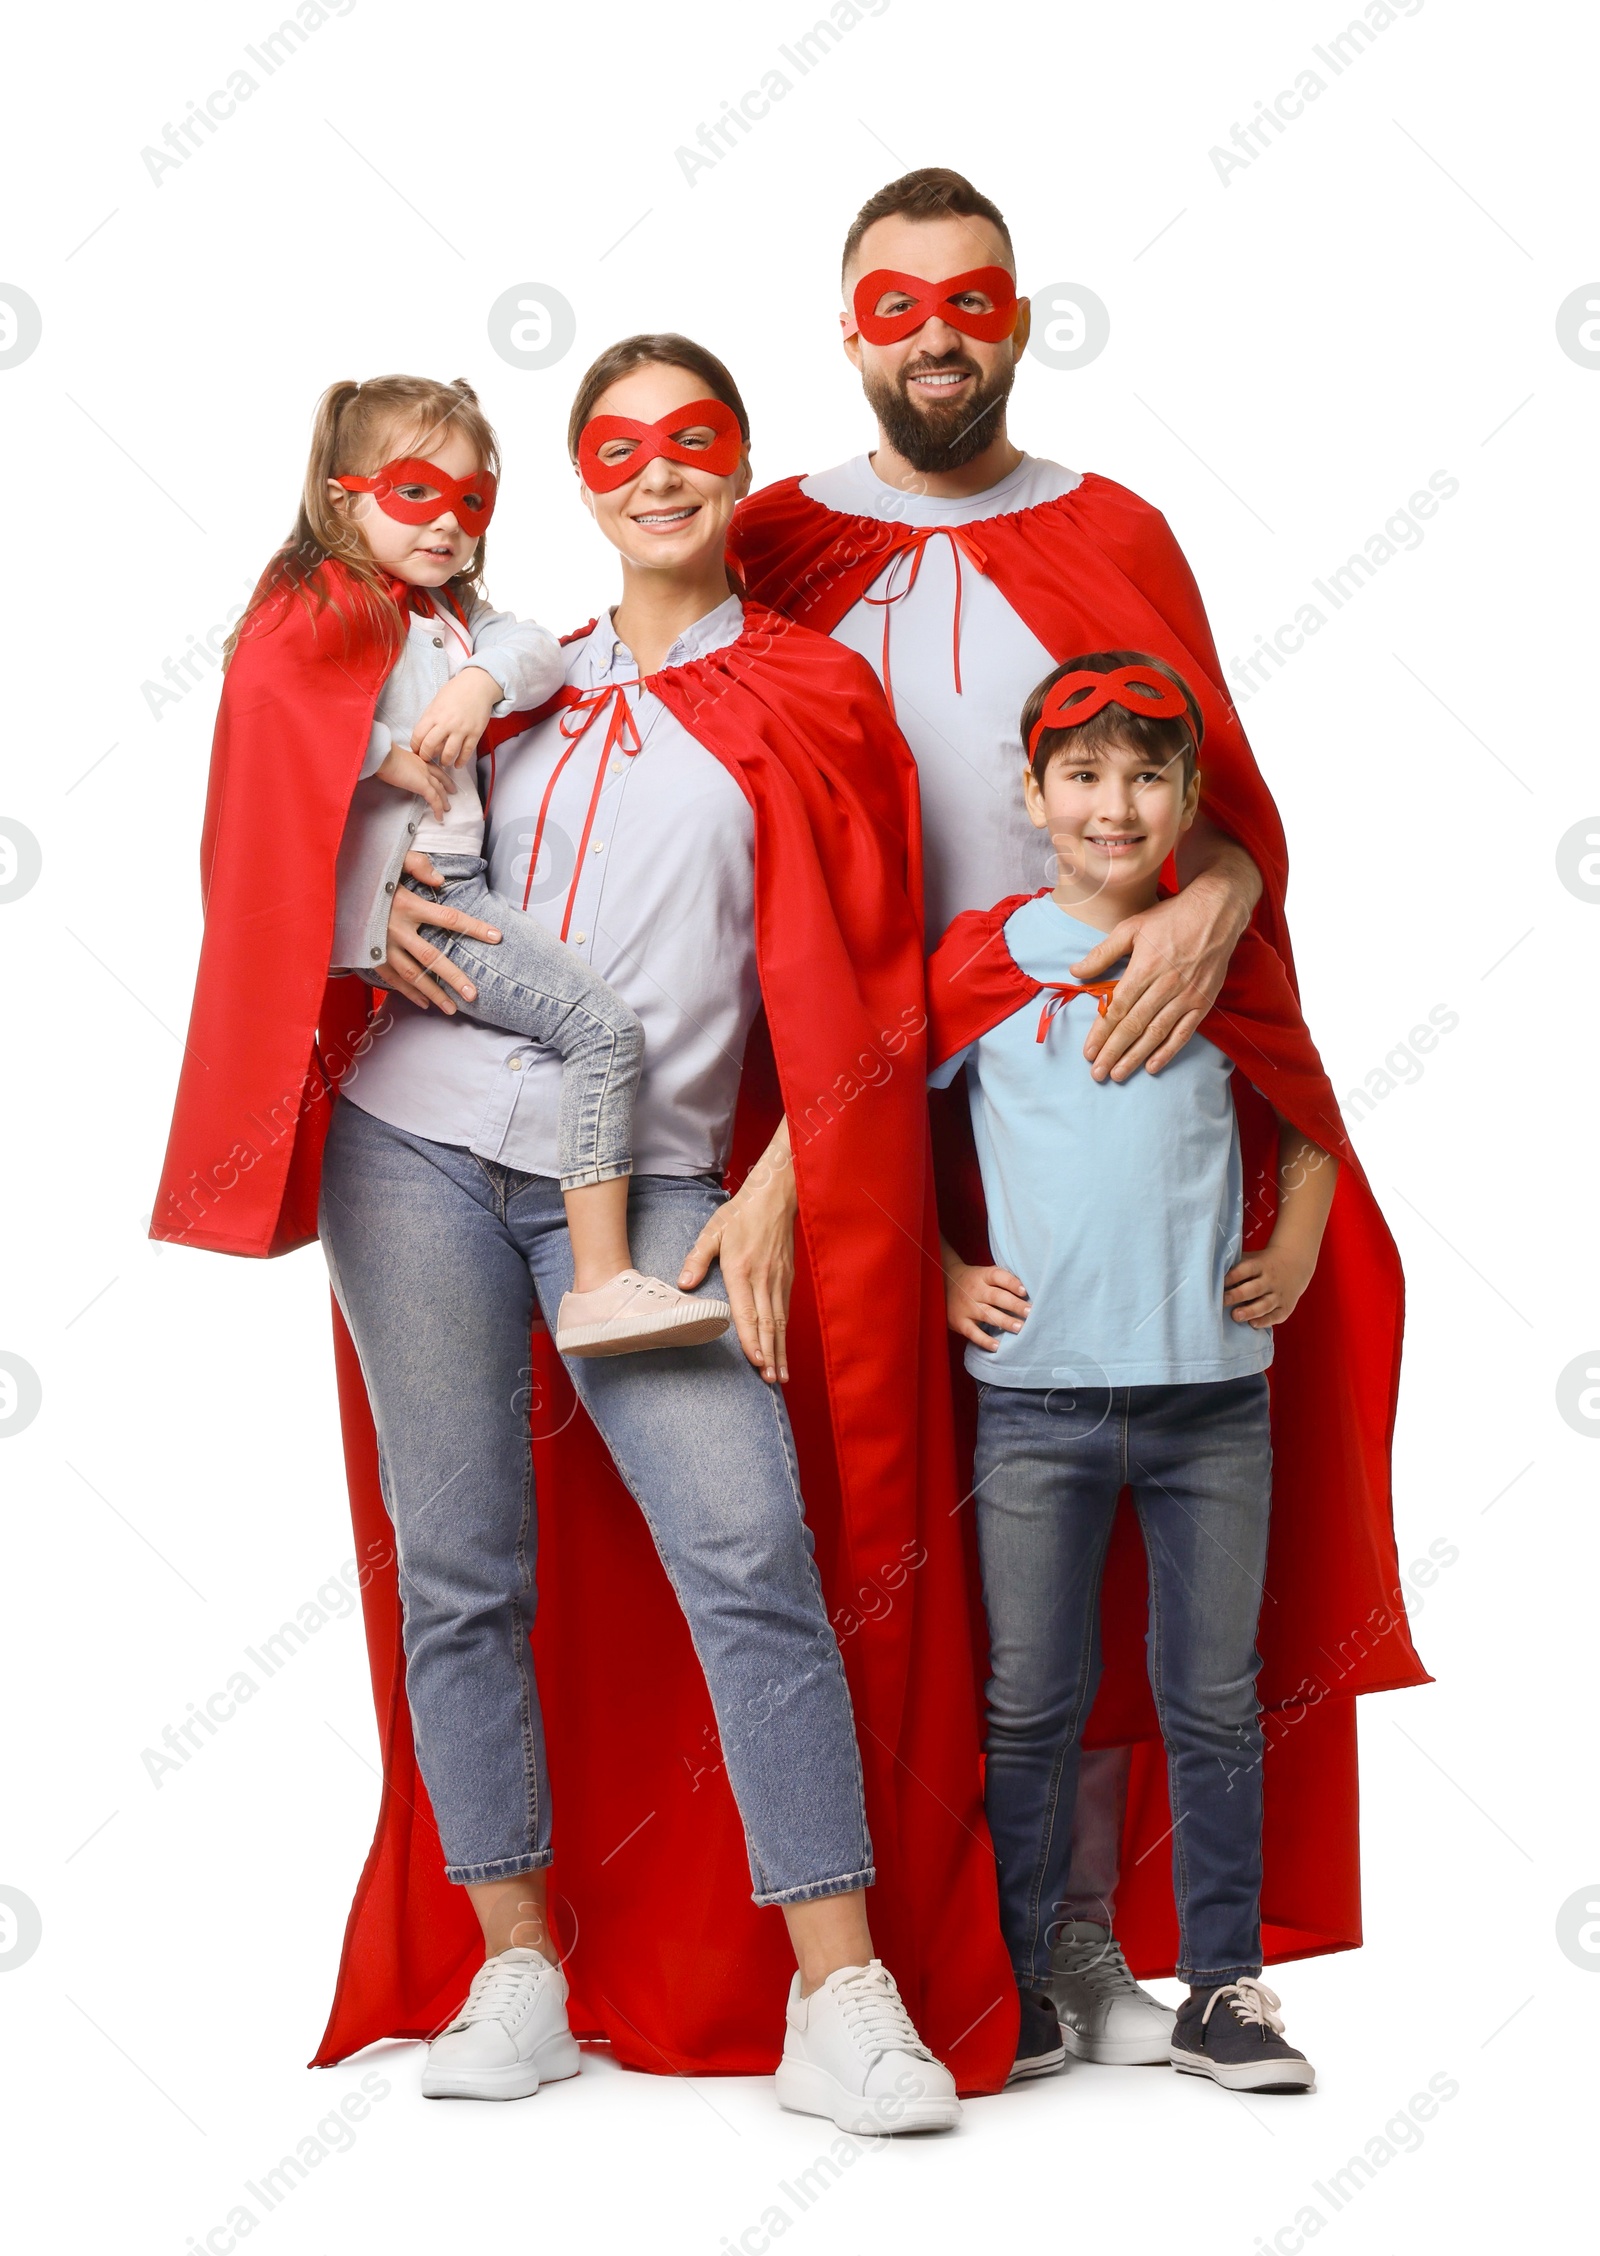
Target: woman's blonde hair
[(355, 432)]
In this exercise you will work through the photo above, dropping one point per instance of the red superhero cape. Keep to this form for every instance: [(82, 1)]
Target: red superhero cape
[(1333, 1620), (667, 1957), (1099, 569)]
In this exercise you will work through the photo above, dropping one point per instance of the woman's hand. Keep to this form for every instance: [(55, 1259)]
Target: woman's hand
[(405, 770), (414, 967), (450, 728), (752, 1235), (974, 1297)]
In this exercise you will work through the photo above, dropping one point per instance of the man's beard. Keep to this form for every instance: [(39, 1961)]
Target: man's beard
[(940, 437)]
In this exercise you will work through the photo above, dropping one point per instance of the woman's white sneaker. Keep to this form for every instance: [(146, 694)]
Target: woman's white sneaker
[(851, 2052), (511, 2035)]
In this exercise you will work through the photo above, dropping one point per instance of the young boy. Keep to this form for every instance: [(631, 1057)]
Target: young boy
[(1135, 1354)]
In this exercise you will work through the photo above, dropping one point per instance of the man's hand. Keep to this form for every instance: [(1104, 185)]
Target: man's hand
[(414, 967), (449, 730), (405, 770), (974, 1297), (1178, 958), (752, 1235)]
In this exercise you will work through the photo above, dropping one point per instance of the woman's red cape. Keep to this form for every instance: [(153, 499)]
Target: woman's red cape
[(1099, 569), (667, 1957)]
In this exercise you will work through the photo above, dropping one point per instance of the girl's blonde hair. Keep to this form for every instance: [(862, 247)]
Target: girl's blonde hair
[(356, 431)]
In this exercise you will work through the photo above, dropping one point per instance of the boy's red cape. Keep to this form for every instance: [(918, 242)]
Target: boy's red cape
[(1099, 569), (666, 1955)]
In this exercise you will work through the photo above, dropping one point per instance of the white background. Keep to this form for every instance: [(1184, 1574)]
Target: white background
[(1292, 353)]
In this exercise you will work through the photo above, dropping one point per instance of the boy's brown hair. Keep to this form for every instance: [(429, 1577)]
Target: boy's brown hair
[(1114, 724)]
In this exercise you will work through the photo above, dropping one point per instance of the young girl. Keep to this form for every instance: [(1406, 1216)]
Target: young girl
[(399, 492)]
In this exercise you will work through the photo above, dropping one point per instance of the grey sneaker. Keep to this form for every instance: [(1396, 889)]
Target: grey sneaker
[(1104, 2014)]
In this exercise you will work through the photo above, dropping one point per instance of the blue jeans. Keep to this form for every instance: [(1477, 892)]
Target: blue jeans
[(533, 985), (436, 1257), (1049, 1468)]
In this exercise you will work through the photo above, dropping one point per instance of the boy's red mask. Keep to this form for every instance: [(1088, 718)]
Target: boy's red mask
[(721, 458), (930, 298), (1076, 698), (469, 500)]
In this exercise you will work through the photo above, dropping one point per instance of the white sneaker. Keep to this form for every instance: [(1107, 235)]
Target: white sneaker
[(631, 1312), (1104, 2014), (511, 2035), (852, 2053)]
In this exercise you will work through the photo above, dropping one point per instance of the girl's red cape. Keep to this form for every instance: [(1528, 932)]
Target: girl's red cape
[(667, 1957)]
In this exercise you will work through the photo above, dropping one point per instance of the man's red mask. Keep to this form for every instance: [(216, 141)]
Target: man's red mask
[(721, 458), (415, 492), (1077, 697), (941, 298)]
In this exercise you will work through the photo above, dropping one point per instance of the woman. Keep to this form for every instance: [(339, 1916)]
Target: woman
[(746, 778)]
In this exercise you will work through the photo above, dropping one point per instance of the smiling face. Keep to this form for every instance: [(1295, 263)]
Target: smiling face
[(939, 394), (1114, 812), (424, 555), (673, 516)]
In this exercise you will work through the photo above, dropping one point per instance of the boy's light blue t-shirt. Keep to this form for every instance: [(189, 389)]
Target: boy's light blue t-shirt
[(1119, 1205)]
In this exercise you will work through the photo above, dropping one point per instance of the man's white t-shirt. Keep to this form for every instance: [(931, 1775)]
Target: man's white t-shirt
[(979, 846)]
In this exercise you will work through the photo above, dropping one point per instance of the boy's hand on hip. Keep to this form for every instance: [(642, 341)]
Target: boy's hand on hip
[(1265, 1287), (975, 1296), (1178, 958), (451, 726)]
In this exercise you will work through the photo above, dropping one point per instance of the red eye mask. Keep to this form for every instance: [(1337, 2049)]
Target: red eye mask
[(721, 458), (469, 500), (930, 298), (1076, 698)]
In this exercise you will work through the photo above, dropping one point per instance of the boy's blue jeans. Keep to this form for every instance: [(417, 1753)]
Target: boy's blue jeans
[(530, 983), (1049, 1468), (437, 1258)]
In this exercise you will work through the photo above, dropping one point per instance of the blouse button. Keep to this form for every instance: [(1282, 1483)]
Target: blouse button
[(580, 937), (438, 642)]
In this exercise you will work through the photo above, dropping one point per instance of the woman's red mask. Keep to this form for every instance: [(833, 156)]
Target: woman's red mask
[(1076, 698), (721, 458), (941, 298), (415, 492)]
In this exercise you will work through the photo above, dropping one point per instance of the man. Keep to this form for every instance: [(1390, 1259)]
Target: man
[(964, 569)]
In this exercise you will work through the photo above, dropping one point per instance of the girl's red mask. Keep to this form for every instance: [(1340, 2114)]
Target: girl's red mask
[(469, 500), (930, 298), (721, 458)]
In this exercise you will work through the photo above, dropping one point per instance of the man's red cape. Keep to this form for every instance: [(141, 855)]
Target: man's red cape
[(1099, 569), (667, 1957)]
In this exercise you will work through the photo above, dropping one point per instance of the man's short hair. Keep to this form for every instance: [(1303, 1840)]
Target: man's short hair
[(934, 192)]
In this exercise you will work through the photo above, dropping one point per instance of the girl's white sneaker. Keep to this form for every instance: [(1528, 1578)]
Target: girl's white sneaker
[(851, 2052), (510, 2036)]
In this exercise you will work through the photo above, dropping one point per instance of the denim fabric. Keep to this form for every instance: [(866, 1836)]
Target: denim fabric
[(1050, 1466), (530, 984), (436, 1257)]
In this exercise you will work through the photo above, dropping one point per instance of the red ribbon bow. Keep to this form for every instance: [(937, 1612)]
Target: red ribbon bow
[(622, 734), (930, 298), (469, 500), (961, 544), (721, 458), (1058, 993)]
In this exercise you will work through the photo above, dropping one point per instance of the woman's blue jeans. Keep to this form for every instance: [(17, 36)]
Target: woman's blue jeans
[(436, 1257), (1049, 1468)]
